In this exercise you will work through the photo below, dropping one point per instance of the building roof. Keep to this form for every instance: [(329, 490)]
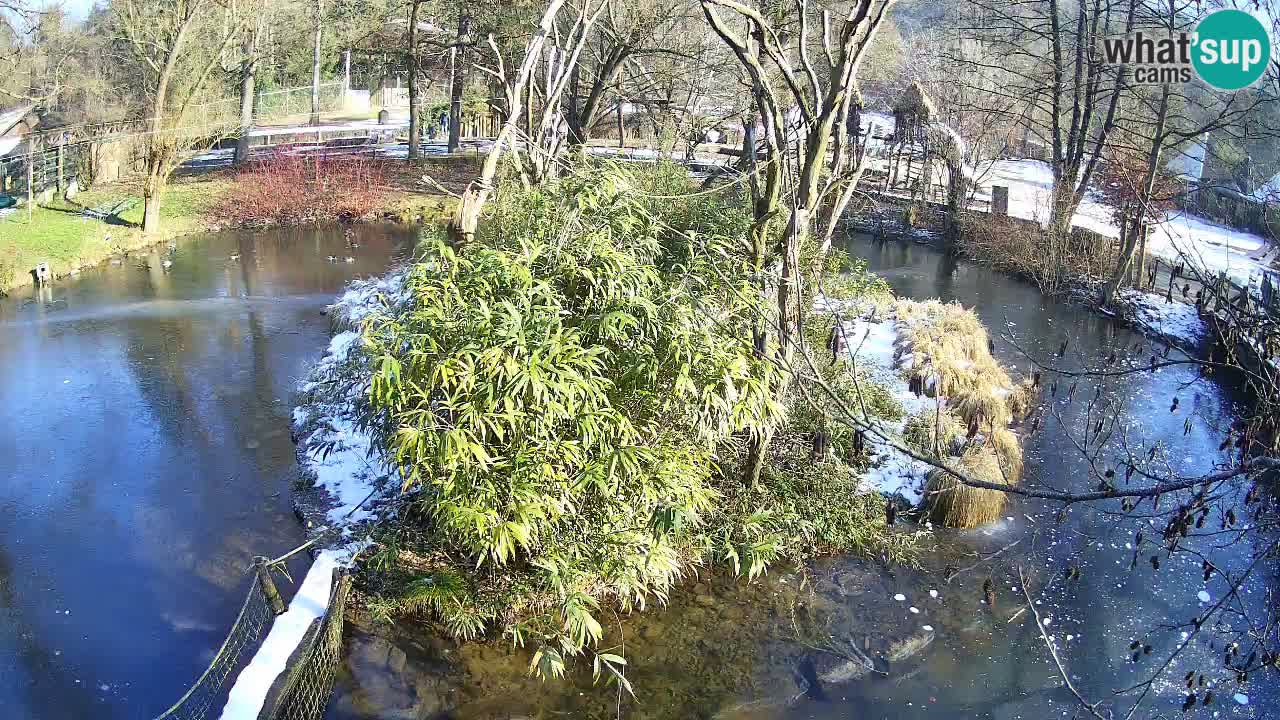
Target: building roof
[(12, 116)]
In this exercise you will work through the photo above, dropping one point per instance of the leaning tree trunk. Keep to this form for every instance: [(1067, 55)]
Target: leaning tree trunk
[(153, 190), (458, 82), (415, 120), (957, 190), (315, 65), (462, 228), (1144, 198)]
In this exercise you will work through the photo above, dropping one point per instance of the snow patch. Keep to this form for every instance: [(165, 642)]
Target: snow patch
[(872, 349), (345, 464), (1173, 321)]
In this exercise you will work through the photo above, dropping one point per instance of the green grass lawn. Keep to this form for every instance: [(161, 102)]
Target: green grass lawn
[(62, 236)]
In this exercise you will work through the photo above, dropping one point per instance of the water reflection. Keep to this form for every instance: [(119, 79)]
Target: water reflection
[(146, 458)]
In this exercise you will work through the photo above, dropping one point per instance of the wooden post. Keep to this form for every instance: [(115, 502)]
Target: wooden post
[(31, 176), (268, 585), (622, 126), (999, 200)]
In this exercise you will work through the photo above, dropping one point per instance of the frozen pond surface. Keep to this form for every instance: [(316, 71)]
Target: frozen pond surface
[(145, 457)]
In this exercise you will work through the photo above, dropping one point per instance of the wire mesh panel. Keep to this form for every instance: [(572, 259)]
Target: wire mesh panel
[(279, 104), (255, 617), (309, 683)]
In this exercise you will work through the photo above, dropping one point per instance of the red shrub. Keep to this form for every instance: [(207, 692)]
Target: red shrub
[(291, 188)]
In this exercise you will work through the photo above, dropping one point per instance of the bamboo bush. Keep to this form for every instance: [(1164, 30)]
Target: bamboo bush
[(562, 398), (567, 400)]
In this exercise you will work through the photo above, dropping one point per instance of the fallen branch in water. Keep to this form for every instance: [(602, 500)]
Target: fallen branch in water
[(1092, 708)]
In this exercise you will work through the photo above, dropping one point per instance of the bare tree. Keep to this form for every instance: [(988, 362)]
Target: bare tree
[(159, 35), (415, 118), (458, 78), (462, 227), (315, 63), (250, 57), (1068, 103), (819, 168)]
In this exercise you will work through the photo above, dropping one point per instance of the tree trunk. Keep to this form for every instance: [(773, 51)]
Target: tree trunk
[(462, 228), (458, 83), (315, 65), (582, 116), (248, 79), (1128, 249), (415, 122), (622, 125), (573, 109), (764, 207), (957, 190), (152, 191)]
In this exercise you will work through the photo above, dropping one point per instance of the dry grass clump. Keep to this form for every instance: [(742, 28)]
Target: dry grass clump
[(1022, 399), (921, 430), (953, 504), (1008, 451), (950, 350), (945, 351)]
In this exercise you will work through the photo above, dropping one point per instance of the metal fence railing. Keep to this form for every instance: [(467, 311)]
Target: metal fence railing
[(273, 105), (52, 167), (308, 681)]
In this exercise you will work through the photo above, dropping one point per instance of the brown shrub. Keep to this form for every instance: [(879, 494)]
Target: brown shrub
[(1024, 248), (291, 188)]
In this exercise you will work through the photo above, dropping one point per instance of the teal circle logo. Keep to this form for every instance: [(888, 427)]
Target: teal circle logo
[(1232, 49)]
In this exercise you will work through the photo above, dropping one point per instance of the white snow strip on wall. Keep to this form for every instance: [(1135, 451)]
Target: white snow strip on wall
[(250, 690)]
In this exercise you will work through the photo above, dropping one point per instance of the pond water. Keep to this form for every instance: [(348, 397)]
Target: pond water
[(145, 458), (726, 649)]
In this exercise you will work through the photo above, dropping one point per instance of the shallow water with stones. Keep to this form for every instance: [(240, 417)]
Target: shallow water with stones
[(797, 643)]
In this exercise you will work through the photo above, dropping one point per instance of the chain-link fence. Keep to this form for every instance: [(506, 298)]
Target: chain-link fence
[(250, 625), (307, 682), (277, 105)]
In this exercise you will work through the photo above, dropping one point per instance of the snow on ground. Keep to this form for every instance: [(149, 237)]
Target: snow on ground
[(1174, 321), (871, 350), (343, 127), (1209, 246), (1213, 248), (344, 465)]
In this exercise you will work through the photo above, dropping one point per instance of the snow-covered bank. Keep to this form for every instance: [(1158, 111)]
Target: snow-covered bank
[(1180, 237), (333, 451), (1174, 322), (310, 603), (1211, 247), (353, 481), (872, 350), (933, 362)]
